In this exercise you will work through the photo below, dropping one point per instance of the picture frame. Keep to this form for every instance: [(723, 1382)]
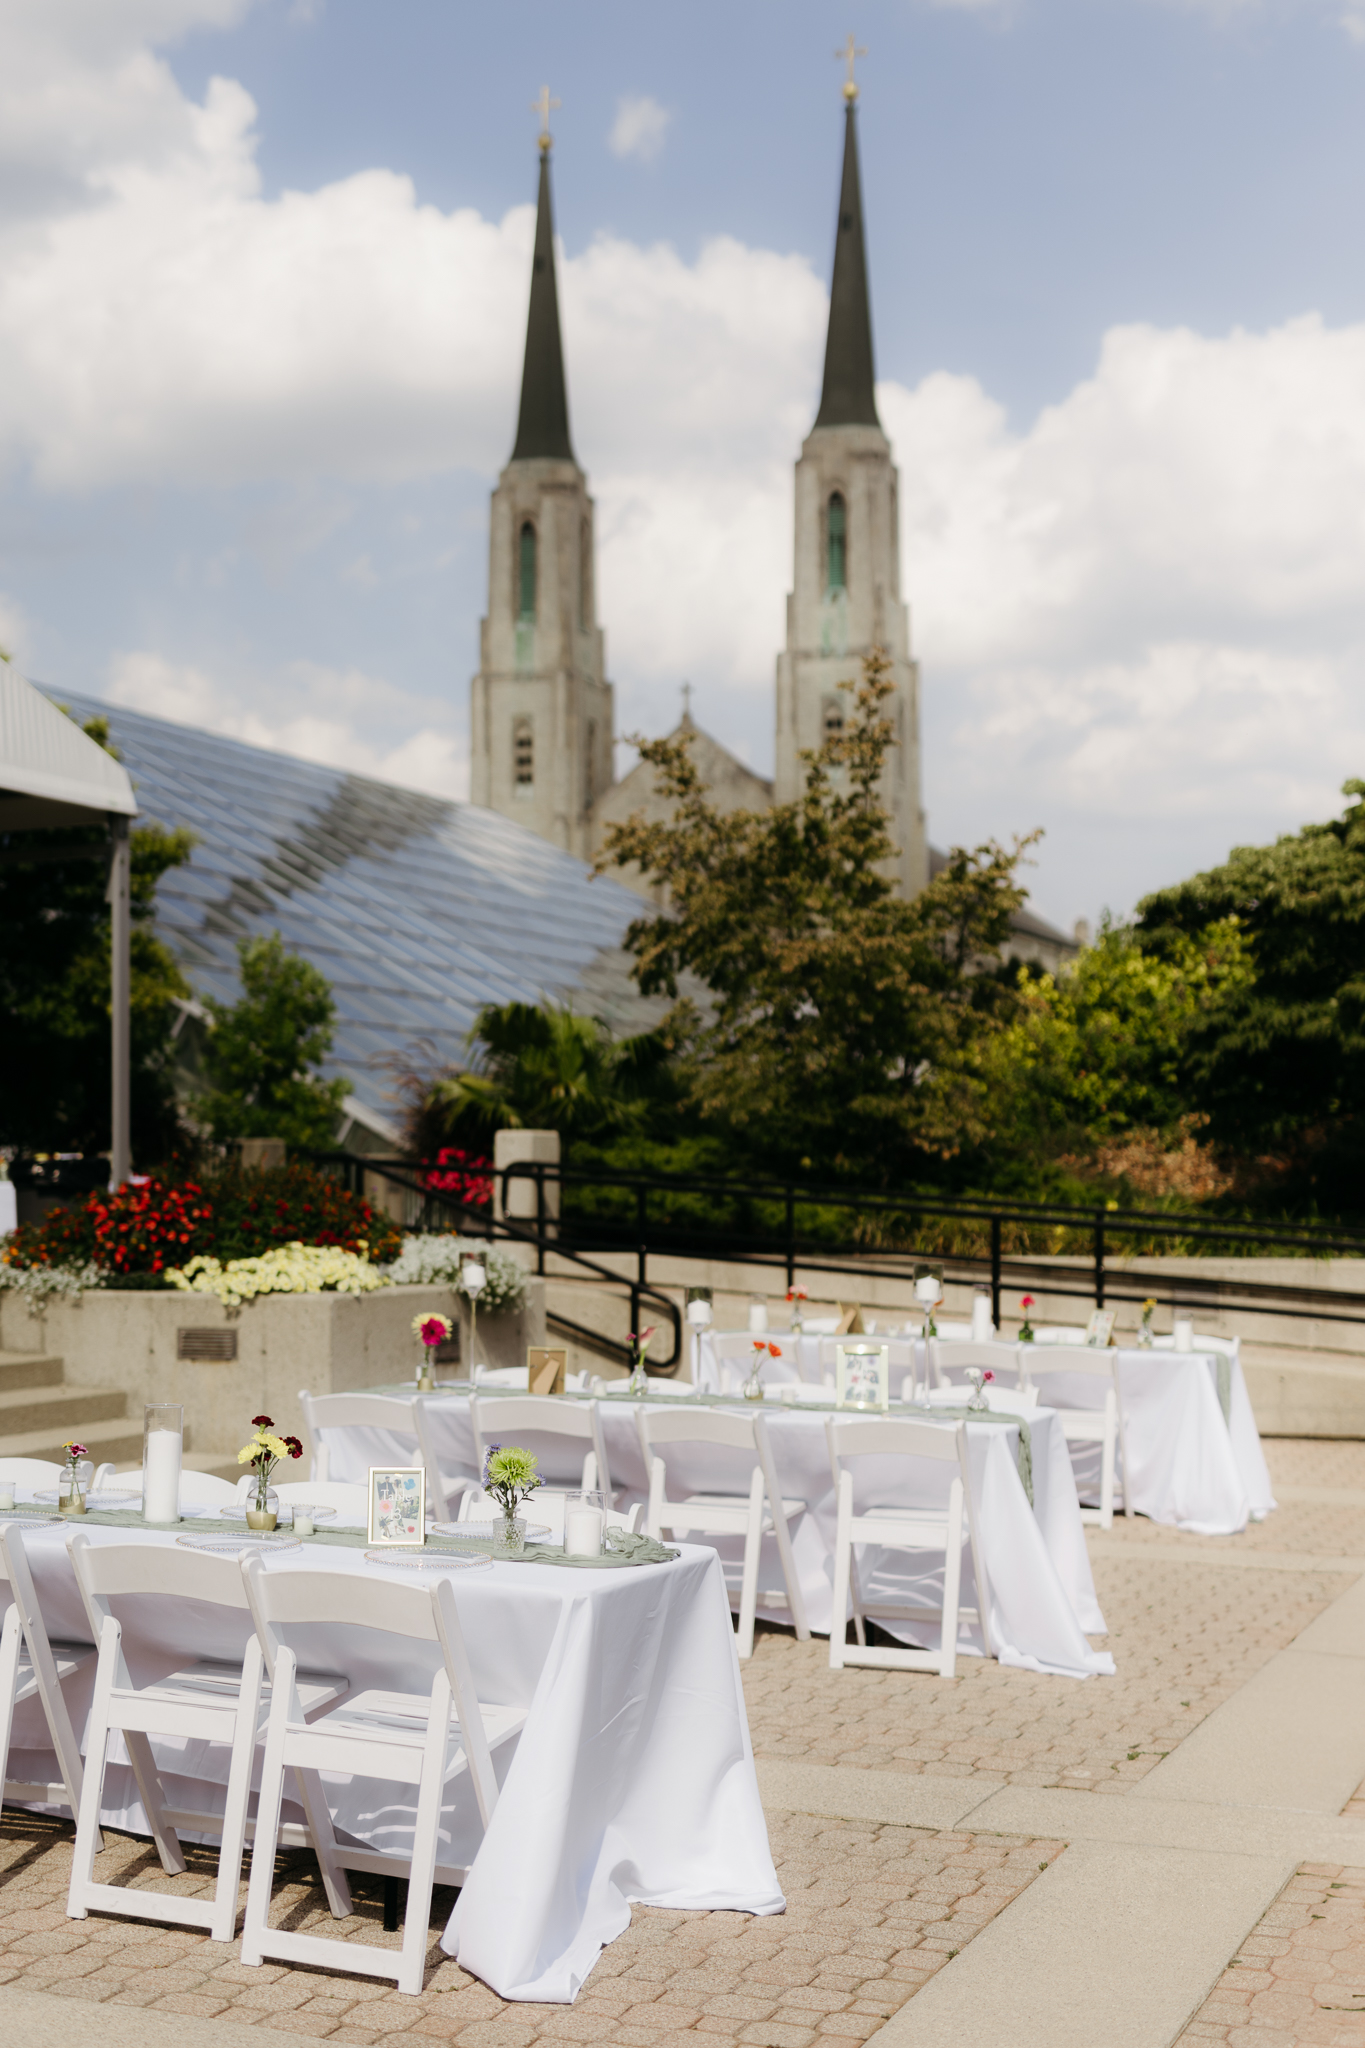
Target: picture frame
[(1100, 1328), (546, 1365), (397, 1496), (862, 1376)]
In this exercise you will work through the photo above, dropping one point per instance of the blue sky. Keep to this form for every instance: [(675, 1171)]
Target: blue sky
[(262, 284)]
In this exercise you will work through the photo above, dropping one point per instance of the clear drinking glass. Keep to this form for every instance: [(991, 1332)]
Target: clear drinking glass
[(163, 1446), (585, 1518)]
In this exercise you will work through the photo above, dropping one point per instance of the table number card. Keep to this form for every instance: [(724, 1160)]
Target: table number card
[(1100, 1329), (398, 1499), (545, 1368), (863, 1376)]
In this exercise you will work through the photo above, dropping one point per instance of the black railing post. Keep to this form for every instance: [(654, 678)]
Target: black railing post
[(1099, 1259), (995, 1271), (791, 1237), (540, 1217), (641, 1234)]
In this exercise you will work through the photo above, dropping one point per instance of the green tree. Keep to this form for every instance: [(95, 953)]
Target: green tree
[(261, 1055), (844, 1026), (1101, 1048), (542, 1066), (1279, 1060), (55, 992)]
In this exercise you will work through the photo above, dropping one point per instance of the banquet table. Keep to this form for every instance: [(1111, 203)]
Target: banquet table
[(632, 1779), (1042, 1589), (1189, 1464)]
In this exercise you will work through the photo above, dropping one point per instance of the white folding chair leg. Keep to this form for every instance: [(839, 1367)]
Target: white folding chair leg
[(843, 1547), (425, 1839), (28, 1618), (321, 1467), (267, 1834), (589, 1479), (952, 1584), (1107, 1461), (657, 1483), (233, 1841), (753, 1544), (11, 1637)]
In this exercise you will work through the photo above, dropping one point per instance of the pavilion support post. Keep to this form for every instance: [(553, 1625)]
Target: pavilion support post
[(121, 1152)]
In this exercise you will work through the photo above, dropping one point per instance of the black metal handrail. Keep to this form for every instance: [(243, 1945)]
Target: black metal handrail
[(1103, 1226), (479, 1221)]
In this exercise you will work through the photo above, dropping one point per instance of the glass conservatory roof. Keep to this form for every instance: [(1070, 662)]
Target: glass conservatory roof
[(417, 909)]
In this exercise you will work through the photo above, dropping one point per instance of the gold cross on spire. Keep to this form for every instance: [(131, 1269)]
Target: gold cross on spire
[(850, 51), (543, 107)]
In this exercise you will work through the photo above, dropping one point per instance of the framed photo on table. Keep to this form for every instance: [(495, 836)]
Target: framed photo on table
[(1100, 1328), (862, 1375), (398, 1506)]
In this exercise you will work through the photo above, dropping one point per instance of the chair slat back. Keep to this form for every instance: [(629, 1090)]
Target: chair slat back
[(697, 1426), (1076, 1358), (532, 1411), (280, 1598), (868, 1437), (402, 1415), (106, 1570), (30, 1472)]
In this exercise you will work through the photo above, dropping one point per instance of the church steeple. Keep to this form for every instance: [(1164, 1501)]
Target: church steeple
[(847, 398), (541, 709), (543, 422), (846, 590)]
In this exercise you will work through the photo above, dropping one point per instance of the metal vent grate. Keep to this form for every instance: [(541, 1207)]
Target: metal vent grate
[(206, 1344)]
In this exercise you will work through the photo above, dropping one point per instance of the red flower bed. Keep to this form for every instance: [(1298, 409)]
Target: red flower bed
[(141, 1229), (464, 1175)]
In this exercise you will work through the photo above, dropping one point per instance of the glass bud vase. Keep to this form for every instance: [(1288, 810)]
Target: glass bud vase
[(511, 1533), (262, 1509), (73, 1487)]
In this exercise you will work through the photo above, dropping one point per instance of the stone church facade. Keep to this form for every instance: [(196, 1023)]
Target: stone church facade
[(542, 716)]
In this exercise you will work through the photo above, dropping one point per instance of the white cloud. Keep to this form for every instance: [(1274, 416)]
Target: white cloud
[(1143, 614), (639, 128), (322, 714)]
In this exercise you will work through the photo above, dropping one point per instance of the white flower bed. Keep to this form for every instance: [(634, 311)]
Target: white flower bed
[(292, 1269), (427, 1260)]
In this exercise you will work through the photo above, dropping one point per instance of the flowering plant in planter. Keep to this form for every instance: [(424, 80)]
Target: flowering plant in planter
[(434, 1332), (1026, 1336), (263, 1454)]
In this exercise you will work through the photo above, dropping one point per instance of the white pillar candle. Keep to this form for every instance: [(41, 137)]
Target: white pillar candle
[(6, 1498), (161, 1476), (1184, 1333), (983, 1329), (927, 1289), (758, 1316), (303, 1523), (583, 1532)]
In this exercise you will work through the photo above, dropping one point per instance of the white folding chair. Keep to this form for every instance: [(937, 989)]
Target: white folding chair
[(403, 1415), (206, 1699), (1101, 1425), (31, 1473), (197, 1489), (893, 1526), (735, 1354), (347, 1496), (520, 1418), (31, 1665), (949, 1364), (426, 1739), (727, 1514), (546, 1506)]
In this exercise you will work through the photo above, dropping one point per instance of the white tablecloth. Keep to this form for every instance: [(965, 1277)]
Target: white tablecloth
[(1042, 1589), (1187, 1466), (633, 1778)]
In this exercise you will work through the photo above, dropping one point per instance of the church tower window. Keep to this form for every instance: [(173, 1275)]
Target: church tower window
[(836, 553), (526, 575), (523, 756)]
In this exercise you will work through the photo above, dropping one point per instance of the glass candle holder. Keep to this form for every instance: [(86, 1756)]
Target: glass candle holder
[(163, 1448), (758, 1313), (1184, 1333), (585, 1518)]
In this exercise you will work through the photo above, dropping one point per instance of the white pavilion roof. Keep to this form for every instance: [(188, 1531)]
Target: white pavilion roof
[(45, 755)]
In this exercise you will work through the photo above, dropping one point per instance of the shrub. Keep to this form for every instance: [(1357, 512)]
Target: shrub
[(430, 1258), (146, 1227)]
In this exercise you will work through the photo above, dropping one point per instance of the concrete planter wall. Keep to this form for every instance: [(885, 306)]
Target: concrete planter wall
[(326, 1343)]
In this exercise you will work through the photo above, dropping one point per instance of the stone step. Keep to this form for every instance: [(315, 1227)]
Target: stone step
[(117, 1443), (69, 1410), (29, 1369)]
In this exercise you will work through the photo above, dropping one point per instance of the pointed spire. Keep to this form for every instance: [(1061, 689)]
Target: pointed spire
[(848, 398), (543, 423)]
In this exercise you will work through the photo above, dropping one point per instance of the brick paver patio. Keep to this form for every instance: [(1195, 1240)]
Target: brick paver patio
[(872, 1910), (1298, 1981)]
